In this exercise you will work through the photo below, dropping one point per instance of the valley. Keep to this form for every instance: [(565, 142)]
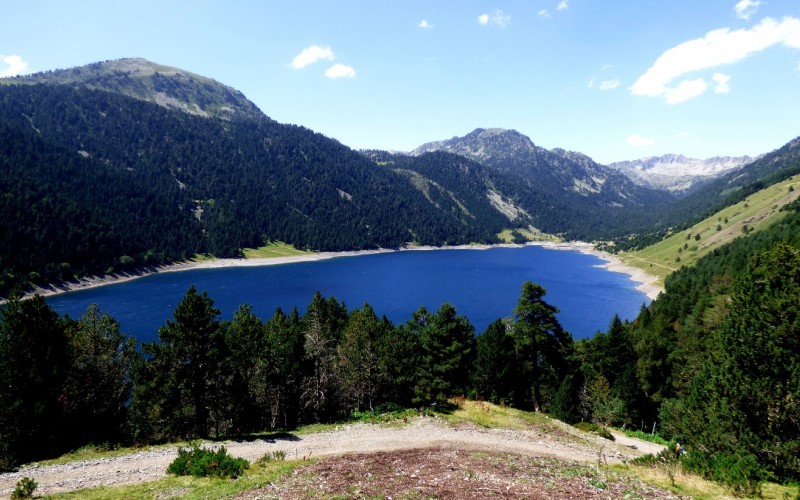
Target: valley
[(122, 168)]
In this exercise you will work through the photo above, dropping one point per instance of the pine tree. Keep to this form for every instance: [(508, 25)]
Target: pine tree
[(494, 371), (542, 345), (33, 364), (447, 343), (98, 386), (180, 386)]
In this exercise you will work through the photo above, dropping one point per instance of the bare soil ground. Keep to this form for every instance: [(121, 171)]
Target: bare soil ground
[(454, 473), (354, 443)]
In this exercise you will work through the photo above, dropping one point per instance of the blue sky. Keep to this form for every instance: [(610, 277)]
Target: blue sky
[(616, 80)]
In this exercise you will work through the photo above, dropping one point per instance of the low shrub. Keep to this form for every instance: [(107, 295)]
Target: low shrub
[(205, 462), (24, 488)]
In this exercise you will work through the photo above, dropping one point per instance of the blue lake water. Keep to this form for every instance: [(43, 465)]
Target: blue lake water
[(482, 284)]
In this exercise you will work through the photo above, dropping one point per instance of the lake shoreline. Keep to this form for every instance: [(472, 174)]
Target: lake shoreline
[(647, 284)]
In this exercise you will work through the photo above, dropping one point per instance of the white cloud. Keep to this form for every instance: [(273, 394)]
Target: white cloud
[(312, 54), (638, 140), (721, 80), (340, 71), (15, 65), (682, 135), (497, 18), (424, 24), (716, 48), (592, 81), (687, 89), (563, 5), (609, 84), (544, 13), (746, 8)]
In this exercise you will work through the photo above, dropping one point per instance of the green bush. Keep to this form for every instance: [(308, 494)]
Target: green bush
[(24, 489), (204, 462)]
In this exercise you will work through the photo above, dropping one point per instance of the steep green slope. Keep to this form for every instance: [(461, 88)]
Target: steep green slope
[(683, 248)]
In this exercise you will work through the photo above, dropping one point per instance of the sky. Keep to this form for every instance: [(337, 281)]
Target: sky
[(616, 80)]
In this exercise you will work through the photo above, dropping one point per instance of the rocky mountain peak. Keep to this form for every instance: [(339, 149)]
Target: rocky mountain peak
[(676, 172), (164, 85)]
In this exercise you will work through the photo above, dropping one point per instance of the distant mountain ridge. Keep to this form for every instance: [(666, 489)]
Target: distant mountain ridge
[(677, 173), (166, 86), (556, 170)]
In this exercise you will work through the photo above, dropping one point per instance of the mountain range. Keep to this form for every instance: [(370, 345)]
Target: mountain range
[(127, 163), (677, 173)]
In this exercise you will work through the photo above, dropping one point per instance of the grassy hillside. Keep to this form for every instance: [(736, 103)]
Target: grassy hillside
[(684, 248)]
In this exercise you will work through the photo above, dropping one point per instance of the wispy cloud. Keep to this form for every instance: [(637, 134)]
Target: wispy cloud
[(746, 8), (497, 18), (609, 84), (424, 24), (544, 13), (563, 5), (716, 48), (721, 81), (639, 140), (340, 71), (682, 135), (16, 65), (312, 54)]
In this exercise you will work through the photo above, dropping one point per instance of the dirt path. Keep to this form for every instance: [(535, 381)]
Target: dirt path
[(566, 443)]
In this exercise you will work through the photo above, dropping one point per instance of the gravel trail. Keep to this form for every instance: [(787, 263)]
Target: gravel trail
[(421, 432)]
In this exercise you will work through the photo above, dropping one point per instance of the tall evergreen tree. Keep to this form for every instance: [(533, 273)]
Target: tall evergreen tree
[(98, 386), (245, 341), (33, 364), (180, 387), (359, 370), (542, 345), (447, 353), (494, 371)]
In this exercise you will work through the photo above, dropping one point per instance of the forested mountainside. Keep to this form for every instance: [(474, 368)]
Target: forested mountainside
[(98, 181), (715, 360)]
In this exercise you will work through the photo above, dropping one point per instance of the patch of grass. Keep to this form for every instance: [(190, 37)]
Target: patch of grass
[(259, 475), (272, 250), (680, 483), (385, 413), (507, 236), (645, 436), (490, 416)]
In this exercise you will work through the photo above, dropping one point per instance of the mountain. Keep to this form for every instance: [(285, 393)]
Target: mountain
[(677, 173), (557, 170), (163, 85), (101, 176)]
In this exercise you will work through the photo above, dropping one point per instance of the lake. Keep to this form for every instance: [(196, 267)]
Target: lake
[(482, 284)]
